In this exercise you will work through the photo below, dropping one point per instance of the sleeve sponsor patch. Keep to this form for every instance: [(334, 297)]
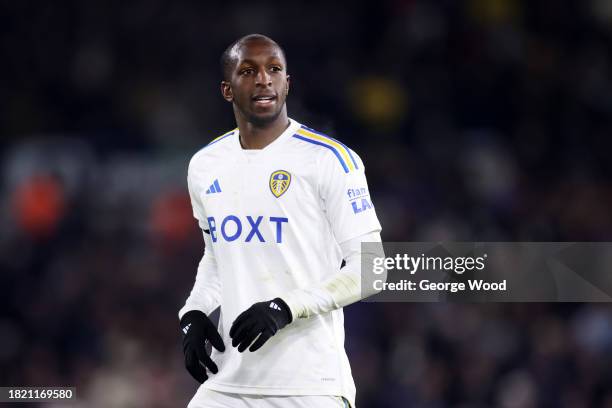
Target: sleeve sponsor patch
[(359, 198)]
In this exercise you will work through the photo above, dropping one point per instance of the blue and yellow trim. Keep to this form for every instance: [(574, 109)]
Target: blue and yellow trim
[(223, 136), (343, 153)]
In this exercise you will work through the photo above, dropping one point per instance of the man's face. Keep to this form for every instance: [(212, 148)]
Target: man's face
[(258, 83)]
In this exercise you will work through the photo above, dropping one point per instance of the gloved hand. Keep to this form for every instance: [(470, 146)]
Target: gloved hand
[(263, 319), (197, 329)]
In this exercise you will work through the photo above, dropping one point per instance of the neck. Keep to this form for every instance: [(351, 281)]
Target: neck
[(257, 137)]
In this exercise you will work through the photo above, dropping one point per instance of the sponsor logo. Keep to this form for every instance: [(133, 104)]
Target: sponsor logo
[(359, 199), (233, 228)]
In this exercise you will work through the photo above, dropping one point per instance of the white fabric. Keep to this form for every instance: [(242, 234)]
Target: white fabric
[(294, 249), (206, 292), (341, 288), (206, 398)]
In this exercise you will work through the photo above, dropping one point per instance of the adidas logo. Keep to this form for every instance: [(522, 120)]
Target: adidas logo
[(214, 187), (274, 306), (186, 328)]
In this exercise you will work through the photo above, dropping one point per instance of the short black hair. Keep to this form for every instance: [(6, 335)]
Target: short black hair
[(228, 61)]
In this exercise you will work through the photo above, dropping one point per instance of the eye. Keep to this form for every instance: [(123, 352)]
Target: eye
[(247, 71), (276, 68)]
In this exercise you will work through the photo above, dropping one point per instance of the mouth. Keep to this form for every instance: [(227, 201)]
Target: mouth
[(263, 100)]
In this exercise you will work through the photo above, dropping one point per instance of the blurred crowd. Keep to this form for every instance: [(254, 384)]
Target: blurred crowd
[(481, 120)]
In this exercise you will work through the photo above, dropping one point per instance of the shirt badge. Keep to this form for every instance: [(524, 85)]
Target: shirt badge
[(279, 182)]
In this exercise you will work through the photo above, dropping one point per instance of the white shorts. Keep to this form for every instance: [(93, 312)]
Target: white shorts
[(205, 398)]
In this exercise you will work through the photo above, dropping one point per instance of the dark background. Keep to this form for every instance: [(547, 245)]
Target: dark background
[(482, 120)]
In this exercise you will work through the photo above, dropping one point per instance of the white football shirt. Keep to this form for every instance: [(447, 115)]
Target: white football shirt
[(275, 219)]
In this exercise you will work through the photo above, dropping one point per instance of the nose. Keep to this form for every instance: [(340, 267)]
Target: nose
[(263, 78)]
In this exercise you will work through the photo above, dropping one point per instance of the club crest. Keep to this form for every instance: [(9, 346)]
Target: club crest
[(279, 182)]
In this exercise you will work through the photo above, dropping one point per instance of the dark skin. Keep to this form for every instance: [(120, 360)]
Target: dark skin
[(257, 87)]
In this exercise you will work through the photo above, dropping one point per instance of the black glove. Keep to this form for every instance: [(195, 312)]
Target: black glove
[(263, 319), (197, 328)]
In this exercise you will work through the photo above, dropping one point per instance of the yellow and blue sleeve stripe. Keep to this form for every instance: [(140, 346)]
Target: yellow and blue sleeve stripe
[(342, 153), (218, 139)]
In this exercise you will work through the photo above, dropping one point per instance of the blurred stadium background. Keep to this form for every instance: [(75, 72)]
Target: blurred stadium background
[(480, 120)]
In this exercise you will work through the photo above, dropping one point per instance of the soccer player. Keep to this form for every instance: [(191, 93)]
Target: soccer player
[(281, 205)]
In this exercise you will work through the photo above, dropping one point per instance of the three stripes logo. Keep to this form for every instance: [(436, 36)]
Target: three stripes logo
[(214, 187), (274, 306), (186, 328)]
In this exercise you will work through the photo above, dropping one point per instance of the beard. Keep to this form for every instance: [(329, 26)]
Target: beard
[(260, 120), (263, 120)]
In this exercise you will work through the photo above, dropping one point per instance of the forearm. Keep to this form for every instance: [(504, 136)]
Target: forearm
[(341, 288), (206, 293)]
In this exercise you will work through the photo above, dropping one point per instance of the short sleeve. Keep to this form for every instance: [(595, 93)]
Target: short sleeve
[(346, 198)]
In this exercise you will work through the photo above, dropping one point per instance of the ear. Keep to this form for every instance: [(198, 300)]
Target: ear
[(288, 82), (226, 91)]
